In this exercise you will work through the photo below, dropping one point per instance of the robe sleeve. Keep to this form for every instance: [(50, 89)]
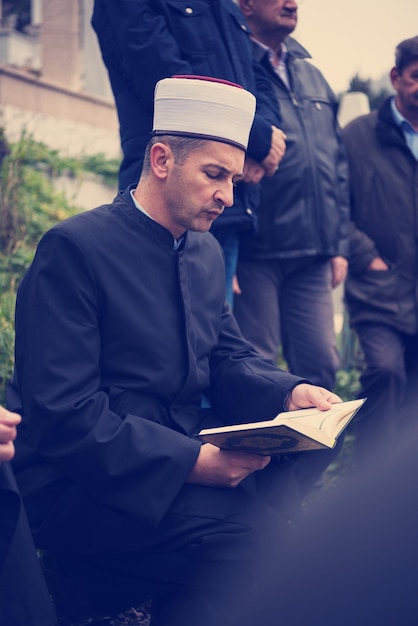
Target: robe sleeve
[(244, 386)]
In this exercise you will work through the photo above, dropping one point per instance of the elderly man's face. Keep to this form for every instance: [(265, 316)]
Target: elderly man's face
[(406, 86), (197, 191), (271, 16)]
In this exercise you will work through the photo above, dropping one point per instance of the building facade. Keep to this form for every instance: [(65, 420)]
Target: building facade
[(53, 84)]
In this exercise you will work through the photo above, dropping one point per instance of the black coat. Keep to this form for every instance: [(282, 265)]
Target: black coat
[(117, 337), (304, 208), (384, 211)]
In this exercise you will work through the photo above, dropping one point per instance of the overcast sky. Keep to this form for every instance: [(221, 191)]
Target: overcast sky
[(349, 36)]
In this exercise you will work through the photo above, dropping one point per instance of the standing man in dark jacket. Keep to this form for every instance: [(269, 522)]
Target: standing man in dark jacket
[(143, 41), (382, 283), (287, 272), (121, 328)]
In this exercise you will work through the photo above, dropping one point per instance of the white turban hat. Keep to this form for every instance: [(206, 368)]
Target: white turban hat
[(203, 107)]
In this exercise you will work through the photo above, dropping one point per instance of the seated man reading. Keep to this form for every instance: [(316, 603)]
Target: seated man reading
[(121, 330)]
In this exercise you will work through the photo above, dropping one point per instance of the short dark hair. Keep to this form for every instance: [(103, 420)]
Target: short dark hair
[(181, 147), (405, 53)]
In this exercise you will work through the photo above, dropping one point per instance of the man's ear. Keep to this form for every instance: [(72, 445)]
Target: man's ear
[(161, 157), (394, 77), (246, 7)]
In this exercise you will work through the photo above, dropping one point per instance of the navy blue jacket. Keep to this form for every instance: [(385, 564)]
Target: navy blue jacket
[(384, 211), (143, 41)]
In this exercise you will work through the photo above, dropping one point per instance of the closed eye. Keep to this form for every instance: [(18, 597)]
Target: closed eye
[(222, 175)]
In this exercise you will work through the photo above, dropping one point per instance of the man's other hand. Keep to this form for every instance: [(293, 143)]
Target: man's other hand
[(222, 468), (277, 150), (253, 171), (304, 396), (8, 423), (339, 265), (378, 265)]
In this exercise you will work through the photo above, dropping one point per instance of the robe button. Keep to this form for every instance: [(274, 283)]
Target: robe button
[(189, 10)]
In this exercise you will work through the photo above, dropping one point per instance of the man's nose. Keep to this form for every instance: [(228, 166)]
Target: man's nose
[(225, 195)]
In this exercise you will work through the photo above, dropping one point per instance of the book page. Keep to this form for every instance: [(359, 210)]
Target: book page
[(329, 422), (320, 426)]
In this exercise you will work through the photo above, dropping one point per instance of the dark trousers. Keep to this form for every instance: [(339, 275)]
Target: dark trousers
[(390, 382), (199, 565), (289, 302)]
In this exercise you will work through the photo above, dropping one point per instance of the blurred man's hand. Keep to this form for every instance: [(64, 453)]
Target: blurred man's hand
[(8, 423), (277, 151)]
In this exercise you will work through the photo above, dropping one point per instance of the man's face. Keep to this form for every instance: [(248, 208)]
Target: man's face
[(197, 191), (277, 17), (406, 86)]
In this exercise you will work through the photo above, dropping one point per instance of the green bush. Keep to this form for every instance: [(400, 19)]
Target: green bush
[(29, 206), (7, 301)]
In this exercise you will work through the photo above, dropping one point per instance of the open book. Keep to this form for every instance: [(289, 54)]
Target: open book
[(291, 431)]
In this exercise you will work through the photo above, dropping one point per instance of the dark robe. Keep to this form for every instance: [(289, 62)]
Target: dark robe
[(118, 337)]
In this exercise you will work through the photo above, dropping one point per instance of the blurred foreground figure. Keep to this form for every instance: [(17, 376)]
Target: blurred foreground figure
[(353, 559)]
